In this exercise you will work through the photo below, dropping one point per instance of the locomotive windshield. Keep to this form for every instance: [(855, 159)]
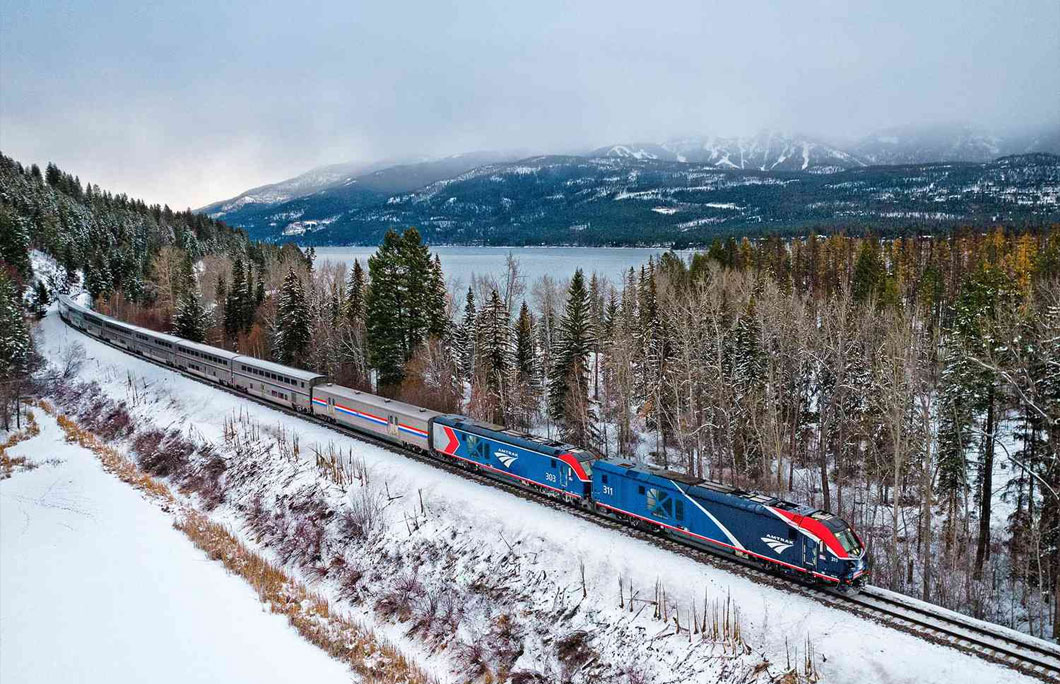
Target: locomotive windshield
[(849, 541)]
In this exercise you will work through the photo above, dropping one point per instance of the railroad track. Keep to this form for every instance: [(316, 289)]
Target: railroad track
[(1029, 655)]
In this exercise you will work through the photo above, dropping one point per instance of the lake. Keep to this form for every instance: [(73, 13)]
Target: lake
[(460, 263)]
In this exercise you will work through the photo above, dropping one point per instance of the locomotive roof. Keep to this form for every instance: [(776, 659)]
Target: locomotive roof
[(376, 400), (699, 483), (524, 439), (277, 368)]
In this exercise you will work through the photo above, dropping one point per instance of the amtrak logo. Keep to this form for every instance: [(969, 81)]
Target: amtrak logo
[(778, 545), (507, 458)]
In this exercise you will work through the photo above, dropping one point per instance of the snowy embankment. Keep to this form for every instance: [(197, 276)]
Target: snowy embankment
[(466, 578), (97, 586)]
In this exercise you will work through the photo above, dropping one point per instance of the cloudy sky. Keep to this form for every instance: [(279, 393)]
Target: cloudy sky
[(189, 102)]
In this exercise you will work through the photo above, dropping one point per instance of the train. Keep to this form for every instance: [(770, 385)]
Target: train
[(795, 540)]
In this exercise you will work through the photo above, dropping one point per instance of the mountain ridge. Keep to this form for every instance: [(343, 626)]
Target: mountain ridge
[(695, 186)]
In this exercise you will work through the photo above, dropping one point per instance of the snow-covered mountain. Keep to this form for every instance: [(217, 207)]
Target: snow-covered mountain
[(388, 176), (943, 143), (307, 183), (767, 151)]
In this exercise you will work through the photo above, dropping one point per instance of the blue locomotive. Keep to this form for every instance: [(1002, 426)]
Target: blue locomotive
[(794, 539), (537, 462)]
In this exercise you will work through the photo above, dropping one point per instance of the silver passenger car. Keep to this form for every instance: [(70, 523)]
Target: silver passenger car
[(155, 345), (205, 361), (388, 418), (273, 382)]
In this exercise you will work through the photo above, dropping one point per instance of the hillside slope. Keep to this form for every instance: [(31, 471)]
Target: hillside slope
[(622, 200)]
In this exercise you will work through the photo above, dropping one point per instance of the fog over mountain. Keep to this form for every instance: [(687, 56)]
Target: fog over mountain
[(188, 103)]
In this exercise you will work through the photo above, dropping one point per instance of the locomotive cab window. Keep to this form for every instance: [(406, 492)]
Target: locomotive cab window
[(640, 490), (679, 509), (793, 534)]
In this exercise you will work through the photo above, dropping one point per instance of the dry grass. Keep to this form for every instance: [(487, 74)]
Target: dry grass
[(374, 660), (307, 611), (113, 460), (8, 463)]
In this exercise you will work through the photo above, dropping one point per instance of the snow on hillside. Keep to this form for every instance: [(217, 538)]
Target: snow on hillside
[(448, 566), (97, 586)]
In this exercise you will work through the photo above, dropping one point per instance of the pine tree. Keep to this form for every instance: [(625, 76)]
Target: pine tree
[(355, 291), (235, 301), (293, 320), (385, 314), (97, 278), (40, 299), (465, 337), (568, 380), (869, 272), (14, 242), (525, 352), (15, 343), (190, 319), (16, 346), (437, 297), (419, 287), (494, 357)]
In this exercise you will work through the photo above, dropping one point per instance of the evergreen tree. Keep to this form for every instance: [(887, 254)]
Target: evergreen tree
[(465, 337), (14, 242), (494, 357), (259, 295), (417, 274), (15, 344), (355, 291), (190, 319), (40, 299), (293, 321), (385, 314), (233, 307), (869, 271), (437, 297), (525, 352), (568, 380), (97, 278)]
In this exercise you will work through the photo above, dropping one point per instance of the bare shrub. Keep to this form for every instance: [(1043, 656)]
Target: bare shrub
[(71, 360), (163, 454), (574, 650), (472, 658), (401, 598), (259, 518), (205, 479), (303, 542), (111, 422), (361, 519), (507, 642)]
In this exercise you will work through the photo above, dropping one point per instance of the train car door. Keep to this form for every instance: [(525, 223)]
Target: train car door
[(392, 426), (809, 553), (331, 407)]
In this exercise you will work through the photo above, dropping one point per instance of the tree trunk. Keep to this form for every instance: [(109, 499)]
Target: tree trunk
[(982, 549), (822, 461)]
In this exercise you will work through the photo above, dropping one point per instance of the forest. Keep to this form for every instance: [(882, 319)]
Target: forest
[(910, 385)]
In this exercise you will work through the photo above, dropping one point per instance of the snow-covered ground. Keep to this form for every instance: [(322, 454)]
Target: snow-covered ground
[(516, 555), (96, 585)]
